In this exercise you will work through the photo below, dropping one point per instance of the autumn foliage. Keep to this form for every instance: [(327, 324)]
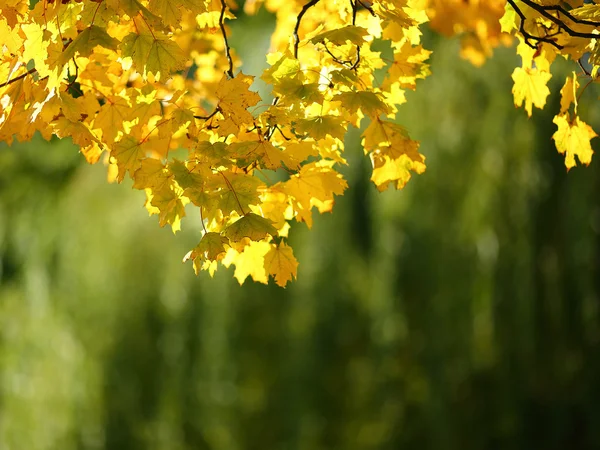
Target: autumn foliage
[(132, 82)]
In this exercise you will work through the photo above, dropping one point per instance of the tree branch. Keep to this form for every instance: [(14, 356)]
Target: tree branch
[(530, 37), (546, 11), (227, 48), (20, 77), (298, 20)]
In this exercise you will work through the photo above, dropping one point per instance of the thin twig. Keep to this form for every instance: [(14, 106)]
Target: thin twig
[(298, 20), (345, 63), (227, 49), (543, 10), (202, 221), (354, 10), (529, 37), (217, 109), (561, 10), (585, 71), (367, 7), (20, 77)]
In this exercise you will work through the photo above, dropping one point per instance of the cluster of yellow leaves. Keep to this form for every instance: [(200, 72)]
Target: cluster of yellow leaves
[(477, 21), (550, 28), (150, 87), (485, 24), (133, 82)]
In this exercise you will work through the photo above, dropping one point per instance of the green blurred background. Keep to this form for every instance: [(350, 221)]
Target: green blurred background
[(462, 312)]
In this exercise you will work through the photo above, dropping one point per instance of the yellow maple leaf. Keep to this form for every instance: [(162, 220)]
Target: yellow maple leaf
[(314, 185), (235, 97), (281, 263), (408, 66), (250, 226), (36, 46), (128, 154), (249, 262), (349, 33), (210, 248), (393, 153), (573, 139), (153, 53), (112, 117), (568, 94), (151, 174), (530, 87), (368, 102), (86, 41), (168, 203), (318, 127)]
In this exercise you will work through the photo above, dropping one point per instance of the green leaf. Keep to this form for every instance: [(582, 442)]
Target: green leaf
[(184, 177), (153, 54), (250, 226), (368, 102), (86, 41), (319, 127), (349, 33)]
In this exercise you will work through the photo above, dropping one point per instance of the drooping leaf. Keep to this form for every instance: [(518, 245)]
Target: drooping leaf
[(153, 54), (281, 263), (350, 33), (250, 226), (573, 139), (86, 41)]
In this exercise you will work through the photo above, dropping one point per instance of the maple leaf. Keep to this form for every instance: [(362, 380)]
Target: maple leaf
[(530, 87), (340, 36), (568, 94), (235, 97), (152, 53), (262, 150), (319, 127), (210, 248), (368, 102), (250, 226), (281, 263), (408, 66), (168, 203), (239, 191), (86, 41), (393, 154), (112, 117), (170, 11), (152, 173), (185, 177), (249, 262), (573, 139), (128, 154), (314, 185)]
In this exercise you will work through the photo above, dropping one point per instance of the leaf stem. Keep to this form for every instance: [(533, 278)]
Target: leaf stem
[(305, 8), (233, 192), (227, 49), (20, 77)]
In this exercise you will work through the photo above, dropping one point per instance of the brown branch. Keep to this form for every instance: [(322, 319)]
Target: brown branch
[(354, 4), (217, 109), (562, 10), (545, 12), (530, 37), (345, 63), (368, 8), (305, 8), (20, 77), (227, 48)]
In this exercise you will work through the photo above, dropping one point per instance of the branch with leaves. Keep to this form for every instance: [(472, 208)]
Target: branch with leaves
[(131, 82)]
